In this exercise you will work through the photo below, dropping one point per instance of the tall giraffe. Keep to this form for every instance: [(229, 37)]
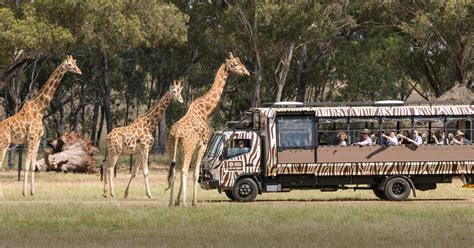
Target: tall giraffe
[(27, 125), (137, 138), (191, 131)]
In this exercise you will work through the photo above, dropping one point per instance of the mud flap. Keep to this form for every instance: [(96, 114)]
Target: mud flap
[(468, 181)]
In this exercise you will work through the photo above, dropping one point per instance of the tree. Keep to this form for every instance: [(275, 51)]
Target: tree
[(441, 38)]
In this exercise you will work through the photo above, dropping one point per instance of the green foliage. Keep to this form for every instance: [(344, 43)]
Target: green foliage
[(23, 29), (343, 50)]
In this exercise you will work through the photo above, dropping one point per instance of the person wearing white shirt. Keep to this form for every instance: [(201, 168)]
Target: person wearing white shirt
[(365, 140), (391, 140)]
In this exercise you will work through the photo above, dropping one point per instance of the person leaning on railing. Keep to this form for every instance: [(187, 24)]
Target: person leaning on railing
[(415, 138), (365, 140), (403, 138), (391, 139), (460, 140)]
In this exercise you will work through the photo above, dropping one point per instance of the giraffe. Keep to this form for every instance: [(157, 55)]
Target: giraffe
[(27, 125), (137, 139), (191, 132)]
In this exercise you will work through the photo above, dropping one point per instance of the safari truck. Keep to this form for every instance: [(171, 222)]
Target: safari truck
[(289, 145)]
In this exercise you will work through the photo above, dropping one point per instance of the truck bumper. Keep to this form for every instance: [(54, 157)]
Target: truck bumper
[(209, 184)]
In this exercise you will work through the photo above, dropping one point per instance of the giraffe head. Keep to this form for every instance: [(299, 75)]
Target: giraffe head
[(234, 65), (70, 65), (175, 90)]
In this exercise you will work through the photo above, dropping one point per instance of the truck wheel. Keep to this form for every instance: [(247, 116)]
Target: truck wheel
[(229, 195), (245, 190), (380, 194), (397, 189)]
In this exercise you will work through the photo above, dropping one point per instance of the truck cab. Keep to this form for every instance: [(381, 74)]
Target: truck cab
[(232, 155)]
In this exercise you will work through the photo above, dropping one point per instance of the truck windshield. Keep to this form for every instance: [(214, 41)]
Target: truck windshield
[(213, 146)]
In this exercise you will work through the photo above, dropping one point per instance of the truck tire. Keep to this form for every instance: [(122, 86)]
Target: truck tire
[(397, 189), (245, 190)]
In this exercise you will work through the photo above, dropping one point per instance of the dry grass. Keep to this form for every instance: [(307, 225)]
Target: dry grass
[(70, 211)]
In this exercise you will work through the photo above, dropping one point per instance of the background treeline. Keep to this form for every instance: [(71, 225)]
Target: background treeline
[(130, 51)]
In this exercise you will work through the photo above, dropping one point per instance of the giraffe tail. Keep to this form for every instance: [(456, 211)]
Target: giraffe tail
[(171, 174), (171, 170), (102, 167)]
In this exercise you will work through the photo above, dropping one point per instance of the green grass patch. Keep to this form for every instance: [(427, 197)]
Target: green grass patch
[(68, 210)]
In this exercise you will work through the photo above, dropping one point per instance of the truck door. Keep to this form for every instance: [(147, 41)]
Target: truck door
[(241, 156)]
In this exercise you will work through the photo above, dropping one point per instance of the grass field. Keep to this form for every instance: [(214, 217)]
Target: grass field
[(69, 211)]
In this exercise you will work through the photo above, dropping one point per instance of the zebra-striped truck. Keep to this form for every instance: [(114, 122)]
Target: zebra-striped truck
[(292, 145)]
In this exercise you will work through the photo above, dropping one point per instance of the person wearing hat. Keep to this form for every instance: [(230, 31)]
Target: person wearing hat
[(460, 140), (365, 140)]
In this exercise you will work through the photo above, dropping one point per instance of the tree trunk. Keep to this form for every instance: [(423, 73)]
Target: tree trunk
[(256, 99), (281, 73), (101, 125), (162, 135), (300, 71), (106, 92), (70, 152), (82, 110), (95, 118), (61, 122), (127, 107), (159, 133)]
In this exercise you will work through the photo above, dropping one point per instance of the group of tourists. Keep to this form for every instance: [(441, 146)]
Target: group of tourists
[(393, 139)]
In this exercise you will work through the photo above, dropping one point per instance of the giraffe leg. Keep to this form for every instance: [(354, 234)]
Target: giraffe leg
[(176, 202), (171, 182), (172, 149), (3, 151), (182, 188), (4, 145), (33, 166), (135, 168), (184, 176), (105, 178), (108, 172), (146, 172), (26, 169), (197, 167)]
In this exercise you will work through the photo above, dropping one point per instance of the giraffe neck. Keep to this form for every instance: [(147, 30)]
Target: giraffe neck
[(211, 98), (153, 115), (45, 94)]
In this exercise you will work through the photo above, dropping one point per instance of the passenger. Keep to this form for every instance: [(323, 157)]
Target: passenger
[(451, 138), (365, 140), (240, 149), (373, 138), (404, 138), (460, 140), (442, 138), (342, 137), (424, 138), (416, 139), (391, 139)]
